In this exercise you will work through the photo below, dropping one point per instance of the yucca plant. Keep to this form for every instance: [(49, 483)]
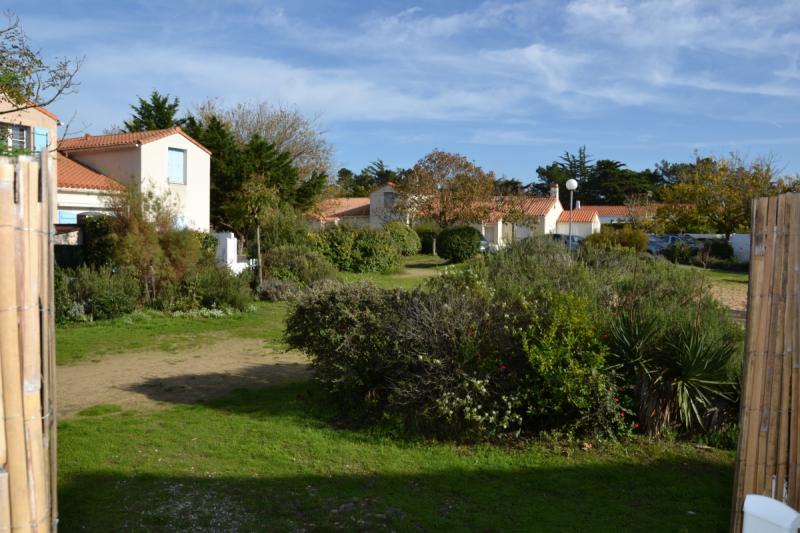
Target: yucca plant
[(677, 373), (696, 368)]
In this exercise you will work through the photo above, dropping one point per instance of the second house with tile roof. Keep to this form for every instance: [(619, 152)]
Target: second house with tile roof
[(168, 162)]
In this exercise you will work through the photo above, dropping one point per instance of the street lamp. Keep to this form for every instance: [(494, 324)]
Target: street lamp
[(571, 186)]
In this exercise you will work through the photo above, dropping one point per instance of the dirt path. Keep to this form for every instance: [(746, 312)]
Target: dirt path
[(149, 379), (734, 297)]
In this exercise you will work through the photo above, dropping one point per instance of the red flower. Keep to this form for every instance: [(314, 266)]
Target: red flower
[(616, 399), (622, 414), (636, 425), (503, 367)]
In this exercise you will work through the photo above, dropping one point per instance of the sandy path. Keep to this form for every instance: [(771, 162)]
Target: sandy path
[(149, 379), (732, 296)]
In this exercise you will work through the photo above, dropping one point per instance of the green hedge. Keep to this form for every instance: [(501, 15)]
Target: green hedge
[(358, 249), (459, 243)]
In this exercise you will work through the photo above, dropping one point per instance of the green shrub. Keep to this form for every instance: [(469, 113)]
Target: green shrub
[(215, 287), (679, 252), (719, 249), (459, 243), (625, 237), (299, 264), (405, 239), (350, 334), (427, 232), (99, 242), (278, 290), (358, 249), (85, 293)]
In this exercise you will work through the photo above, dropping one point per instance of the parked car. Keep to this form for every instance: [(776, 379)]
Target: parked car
[(657, 243), (484, 247), (573, 244)]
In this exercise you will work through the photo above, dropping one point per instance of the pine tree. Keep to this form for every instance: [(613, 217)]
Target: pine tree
[(157, 113)]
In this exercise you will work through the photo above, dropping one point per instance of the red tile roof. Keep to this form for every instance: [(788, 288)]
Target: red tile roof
[(119, 140), (335, 208), (582, 215), (617, 210), (530, 206), (73, 175)]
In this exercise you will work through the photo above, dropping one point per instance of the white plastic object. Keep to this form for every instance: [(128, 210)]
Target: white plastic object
[(765, 515)]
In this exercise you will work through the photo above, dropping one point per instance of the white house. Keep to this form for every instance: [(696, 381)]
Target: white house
[(532, 215), (166, 161)]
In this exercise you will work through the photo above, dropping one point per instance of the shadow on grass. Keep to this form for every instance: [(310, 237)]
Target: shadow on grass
[(665, 495), (196, 388)]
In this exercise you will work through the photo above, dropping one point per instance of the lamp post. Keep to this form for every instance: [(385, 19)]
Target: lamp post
[(571, 186)]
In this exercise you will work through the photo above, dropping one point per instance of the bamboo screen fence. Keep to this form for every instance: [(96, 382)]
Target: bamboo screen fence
[(27, 348), (769, 438)]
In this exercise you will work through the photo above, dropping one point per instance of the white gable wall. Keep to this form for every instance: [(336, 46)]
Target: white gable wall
[(192, 197)]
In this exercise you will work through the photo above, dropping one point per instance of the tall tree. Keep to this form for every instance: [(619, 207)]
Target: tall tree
[(257, 162), (286, 128), (449, 188), (26, 80), (717, 193), (509, 187), (158, 112), (570, 166)]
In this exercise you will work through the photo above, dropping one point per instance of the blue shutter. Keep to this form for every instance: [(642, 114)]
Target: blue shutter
[(176, 165), (39, 139), (65, 217)]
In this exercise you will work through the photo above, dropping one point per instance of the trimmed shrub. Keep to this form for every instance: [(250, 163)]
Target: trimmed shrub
[(625, 237), (358, 249), (94, 294), (720, 249), (405, 239), (457, 244), (428, 232), (298, 264), (215, 287)]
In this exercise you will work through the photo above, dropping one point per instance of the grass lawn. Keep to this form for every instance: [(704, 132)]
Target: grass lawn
[(273, 460), (151, 331), (270, 460), (727, 277)]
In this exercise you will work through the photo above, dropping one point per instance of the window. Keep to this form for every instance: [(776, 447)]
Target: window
[(17, 137), (67, 217), (176, 166), (388, 200)]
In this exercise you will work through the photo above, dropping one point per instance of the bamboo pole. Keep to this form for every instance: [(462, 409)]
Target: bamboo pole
[(793, 356), (768, 450), (784, 410), (10, 366), (31, 346), (5, 501), (48, 198)]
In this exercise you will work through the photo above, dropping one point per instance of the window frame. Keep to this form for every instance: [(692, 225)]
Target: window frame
[(10, 139), (183, 152)]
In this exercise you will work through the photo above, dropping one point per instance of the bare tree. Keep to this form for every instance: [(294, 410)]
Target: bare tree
[(285, 127), (25, 79)]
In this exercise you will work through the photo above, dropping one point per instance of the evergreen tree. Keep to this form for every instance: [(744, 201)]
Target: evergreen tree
[(157, 113)]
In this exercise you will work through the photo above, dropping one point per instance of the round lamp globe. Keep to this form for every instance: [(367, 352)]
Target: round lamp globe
[(572, 184)]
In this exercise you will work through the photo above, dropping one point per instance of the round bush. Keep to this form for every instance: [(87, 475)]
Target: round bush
[(625, 237), (358, 249), (405, 239), (459, 243), (720, 249), (299, 264)]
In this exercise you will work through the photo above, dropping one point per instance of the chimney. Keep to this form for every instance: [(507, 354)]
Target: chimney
[(577, 204), (554, 190)]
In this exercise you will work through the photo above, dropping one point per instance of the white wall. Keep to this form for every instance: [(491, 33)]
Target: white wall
[(741, 246), (122, 164), (550, 222), (380, 214), (581, 229), (193, 197), (228, 252)]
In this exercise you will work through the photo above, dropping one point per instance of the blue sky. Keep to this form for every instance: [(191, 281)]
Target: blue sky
[(511, 85)]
